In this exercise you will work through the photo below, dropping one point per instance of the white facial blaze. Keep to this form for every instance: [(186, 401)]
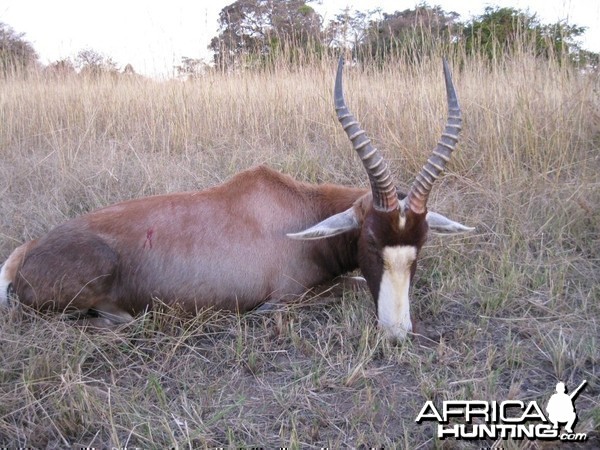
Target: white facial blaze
[(393, 306)]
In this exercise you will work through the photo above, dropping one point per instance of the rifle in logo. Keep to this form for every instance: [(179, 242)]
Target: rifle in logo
[(561, 407), (481, 419)]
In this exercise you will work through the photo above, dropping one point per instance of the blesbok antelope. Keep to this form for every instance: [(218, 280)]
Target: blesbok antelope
[(261, 237)]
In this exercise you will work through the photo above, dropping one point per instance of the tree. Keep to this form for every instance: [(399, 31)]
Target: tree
[(16, 54), (258, 30), (505, 30), (413, 33), (91, 63), (559, 39), (348, 30), (191, 68)]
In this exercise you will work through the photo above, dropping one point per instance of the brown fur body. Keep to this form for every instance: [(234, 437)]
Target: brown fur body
[(260, 237), (224, 247)]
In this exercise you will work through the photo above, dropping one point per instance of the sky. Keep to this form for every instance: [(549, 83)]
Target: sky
[(153, 35)]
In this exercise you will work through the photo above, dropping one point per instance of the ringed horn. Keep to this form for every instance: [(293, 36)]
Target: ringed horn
[(382, 186), (419, 191)]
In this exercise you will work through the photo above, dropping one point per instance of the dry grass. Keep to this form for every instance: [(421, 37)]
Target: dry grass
[(506, 311)]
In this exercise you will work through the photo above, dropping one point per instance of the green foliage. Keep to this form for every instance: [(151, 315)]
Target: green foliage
[(346, 29), (260, 33), (500, 31), (16, 54), (413, 33), (256, 32)]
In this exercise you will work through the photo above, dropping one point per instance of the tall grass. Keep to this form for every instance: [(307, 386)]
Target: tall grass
[(503, 313)]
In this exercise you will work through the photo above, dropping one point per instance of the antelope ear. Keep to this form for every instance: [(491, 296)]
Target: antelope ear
[(332, 226), (442, 225)]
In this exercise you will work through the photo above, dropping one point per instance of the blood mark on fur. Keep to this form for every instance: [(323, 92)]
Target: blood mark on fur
[(148, 241)]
